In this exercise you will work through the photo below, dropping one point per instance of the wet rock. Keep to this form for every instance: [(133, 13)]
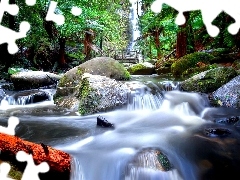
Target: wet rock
[(142, 69), (228, 120), (151, 158), (209, 81), (101, 121), (216, 132), (33, 79), (90, 93), (228, 95), (169, 85)]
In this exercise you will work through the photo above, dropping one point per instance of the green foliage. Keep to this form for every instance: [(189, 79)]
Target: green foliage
[(189, 61), (150, 22), (14, 70)]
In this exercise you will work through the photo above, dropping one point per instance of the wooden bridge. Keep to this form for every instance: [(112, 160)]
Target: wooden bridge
[(123, 56)]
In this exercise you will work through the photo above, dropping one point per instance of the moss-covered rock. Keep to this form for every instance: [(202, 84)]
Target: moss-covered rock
[(151, 158), (196, 70), (141, 69), (106, 66), (88, 94), (228, 95), (236, 64), (209, 81), (189, 61)]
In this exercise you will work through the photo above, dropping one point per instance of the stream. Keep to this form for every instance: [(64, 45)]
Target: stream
[(200, 142)]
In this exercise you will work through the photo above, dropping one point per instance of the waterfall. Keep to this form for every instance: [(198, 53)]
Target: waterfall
[(28, 97), (141, 97), (135, 12)]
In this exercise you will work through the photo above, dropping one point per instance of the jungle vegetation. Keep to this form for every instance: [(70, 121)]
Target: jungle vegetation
[(103, 27)]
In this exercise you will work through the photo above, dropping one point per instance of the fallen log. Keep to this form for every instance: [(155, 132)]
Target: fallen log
[(58, 161)]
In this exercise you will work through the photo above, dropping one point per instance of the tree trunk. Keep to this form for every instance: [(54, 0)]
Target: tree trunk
[(181, 48), (58, 161), (87, 41), (62, 43), (157, 42)]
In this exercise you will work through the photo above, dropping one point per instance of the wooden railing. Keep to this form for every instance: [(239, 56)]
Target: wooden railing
[(122, 56), (126, 56)]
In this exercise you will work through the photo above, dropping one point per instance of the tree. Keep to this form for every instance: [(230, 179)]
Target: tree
[(182, 36)]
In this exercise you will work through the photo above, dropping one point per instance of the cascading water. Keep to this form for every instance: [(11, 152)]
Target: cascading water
[(28, 97), (178, 126), (110, 154), (142, 97), (135, 12)]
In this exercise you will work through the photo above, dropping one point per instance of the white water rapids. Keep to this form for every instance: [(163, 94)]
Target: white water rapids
[(172, 122)]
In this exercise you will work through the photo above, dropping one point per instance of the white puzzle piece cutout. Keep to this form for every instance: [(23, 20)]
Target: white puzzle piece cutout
[(76, 11), (31, 171), (51, 16), (7, 35), (210, 9), (10, 129), (4, 170), (30, 2)]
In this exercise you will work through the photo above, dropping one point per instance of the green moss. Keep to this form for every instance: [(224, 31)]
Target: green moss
[(236, 64), (163, 160), (189, 61), (88, 100), (193, 71), (127, 75), (212, 80), (64, 82), (135, 68)]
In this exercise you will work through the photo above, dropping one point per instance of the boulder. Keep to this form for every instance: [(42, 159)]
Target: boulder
[(89, 93), (33, 79), (105, 66), (208, 81), (149, 158), (142, 69), (228, 95), (190, 61)]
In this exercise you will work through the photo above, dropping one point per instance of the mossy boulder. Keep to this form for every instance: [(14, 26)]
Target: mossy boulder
[(189, 61), (228, 95), (141, 69), (236, 64), (163, 67), (88, 94), (106, 66), (196, 70), (209, 81)]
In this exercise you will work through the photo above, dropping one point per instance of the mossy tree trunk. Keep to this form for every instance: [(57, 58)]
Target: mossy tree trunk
[(181, 48)]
